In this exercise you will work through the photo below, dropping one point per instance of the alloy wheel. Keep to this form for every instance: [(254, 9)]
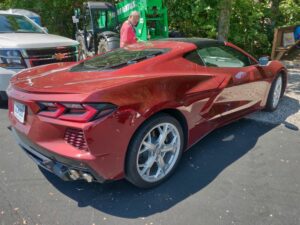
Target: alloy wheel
[(158, 152), (277, 92)]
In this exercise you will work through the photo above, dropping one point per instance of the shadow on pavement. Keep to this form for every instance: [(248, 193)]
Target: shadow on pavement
[(198, 168)]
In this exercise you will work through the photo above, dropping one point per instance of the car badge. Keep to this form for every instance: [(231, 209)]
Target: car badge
[(59, 56), (240, 75)]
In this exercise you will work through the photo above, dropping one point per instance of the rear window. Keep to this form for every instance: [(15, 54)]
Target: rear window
[(117, 59)]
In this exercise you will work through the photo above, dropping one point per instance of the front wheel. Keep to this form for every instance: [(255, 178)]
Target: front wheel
[(275, 94), (155, 151)]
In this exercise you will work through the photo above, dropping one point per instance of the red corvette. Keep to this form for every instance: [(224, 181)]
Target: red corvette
[(130, 113)]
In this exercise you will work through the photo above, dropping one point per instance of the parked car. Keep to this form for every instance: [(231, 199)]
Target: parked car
[(31, 15), (132, 112), (24, 44)]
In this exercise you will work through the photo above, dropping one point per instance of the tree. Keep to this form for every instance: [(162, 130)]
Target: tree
[(224, 19), (247, 23), (275, 11)]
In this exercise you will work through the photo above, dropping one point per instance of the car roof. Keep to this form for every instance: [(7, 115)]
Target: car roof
[(199, 42), (2, 12), (177, 44), (23, 12), (102, 5)]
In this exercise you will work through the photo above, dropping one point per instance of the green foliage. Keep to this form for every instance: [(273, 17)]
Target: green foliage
[(248, 27), (194, 17), (251, 24), (290, 9)]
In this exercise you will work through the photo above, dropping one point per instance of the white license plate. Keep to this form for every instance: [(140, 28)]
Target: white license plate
[(19, 111)]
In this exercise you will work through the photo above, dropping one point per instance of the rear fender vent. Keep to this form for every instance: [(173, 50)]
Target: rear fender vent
[(75, 137)]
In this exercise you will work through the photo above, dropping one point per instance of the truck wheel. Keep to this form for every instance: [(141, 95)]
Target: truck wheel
[(154, 151), (103, 46), (82, 51)]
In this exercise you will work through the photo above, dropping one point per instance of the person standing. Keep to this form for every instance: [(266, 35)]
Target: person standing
[(127, 34)]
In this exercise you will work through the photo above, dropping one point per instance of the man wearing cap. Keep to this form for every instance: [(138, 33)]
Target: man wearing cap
[(127, 33)]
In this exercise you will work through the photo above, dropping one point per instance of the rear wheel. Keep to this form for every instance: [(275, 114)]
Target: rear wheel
[(155, 151), (275, 94)]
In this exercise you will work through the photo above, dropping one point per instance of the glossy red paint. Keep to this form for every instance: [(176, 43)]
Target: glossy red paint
[(206, 97)]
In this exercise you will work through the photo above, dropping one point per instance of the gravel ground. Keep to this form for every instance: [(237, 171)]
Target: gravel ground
[(288, 112)]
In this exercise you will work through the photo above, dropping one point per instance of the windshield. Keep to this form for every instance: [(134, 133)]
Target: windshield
[(104, 19), (117, 59), (17, 24)]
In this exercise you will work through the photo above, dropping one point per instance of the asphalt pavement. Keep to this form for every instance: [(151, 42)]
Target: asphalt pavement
[(246, 173)]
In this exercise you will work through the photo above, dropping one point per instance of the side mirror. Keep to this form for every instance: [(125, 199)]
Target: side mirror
[(263, 61), (75, 19)]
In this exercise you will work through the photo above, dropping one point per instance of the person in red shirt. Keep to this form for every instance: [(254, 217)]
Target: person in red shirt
[(127, 33)]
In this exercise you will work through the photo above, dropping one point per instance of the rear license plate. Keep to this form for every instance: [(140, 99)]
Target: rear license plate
[(19, 111)]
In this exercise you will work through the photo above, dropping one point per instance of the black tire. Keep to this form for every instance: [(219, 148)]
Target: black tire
[(3, 99), (270, 106), (132, 173), (82, 51), (2, 102)]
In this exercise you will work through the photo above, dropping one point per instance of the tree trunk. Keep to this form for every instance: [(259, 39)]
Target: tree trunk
[(275, 12), (224, 19)]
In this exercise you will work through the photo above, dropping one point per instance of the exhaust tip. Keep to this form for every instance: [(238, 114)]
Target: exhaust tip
[(74, 175), (87, 177), (61, 171)]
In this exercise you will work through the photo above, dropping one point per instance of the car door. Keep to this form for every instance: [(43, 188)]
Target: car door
[(243, 88)]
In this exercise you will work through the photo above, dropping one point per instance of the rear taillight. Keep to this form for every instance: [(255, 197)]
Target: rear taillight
[(76, 112)]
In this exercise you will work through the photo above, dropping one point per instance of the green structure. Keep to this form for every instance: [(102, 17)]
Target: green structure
[(154, 18), (98, 24)]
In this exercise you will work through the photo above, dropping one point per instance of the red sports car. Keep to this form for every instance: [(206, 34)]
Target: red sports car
[(130, 113)]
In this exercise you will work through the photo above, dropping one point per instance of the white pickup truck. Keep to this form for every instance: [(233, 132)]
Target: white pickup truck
[(25, 44)]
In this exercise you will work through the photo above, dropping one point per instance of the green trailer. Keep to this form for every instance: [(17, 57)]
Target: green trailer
[(101, 23)]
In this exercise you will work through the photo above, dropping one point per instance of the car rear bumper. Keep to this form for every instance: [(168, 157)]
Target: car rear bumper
[(65, 168), (59, 140)]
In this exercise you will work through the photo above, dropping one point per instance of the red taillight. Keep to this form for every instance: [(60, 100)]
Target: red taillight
[(84, 115), (74, 111), (50, 109)]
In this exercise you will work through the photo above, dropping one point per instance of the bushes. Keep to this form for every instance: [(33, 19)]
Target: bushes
[(251, 24)]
